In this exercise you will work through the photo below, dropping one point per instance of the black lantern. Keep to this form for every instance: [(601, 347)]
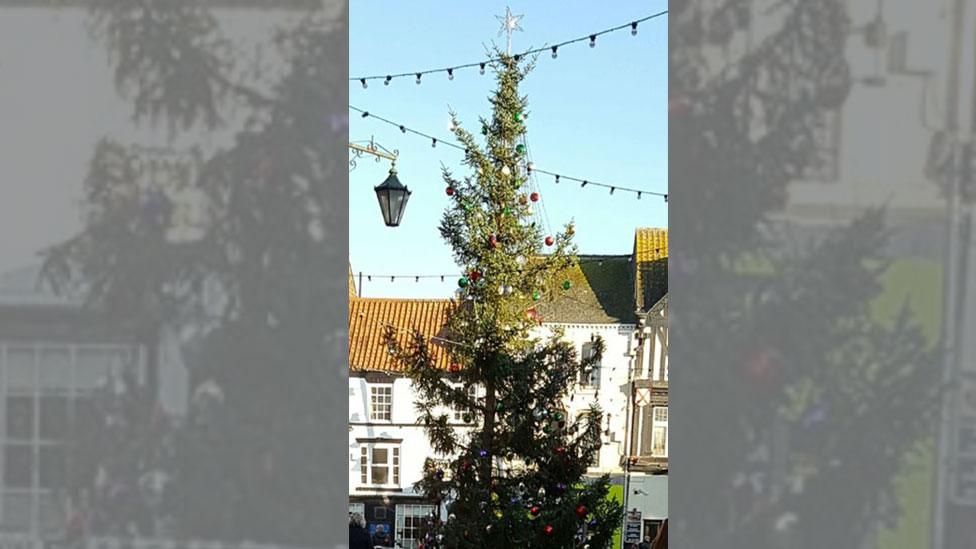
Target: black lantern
[(393, 197)]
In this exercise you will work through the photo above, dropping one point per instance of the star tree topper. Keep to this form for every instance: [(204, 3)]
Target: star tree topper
[(510, 24)]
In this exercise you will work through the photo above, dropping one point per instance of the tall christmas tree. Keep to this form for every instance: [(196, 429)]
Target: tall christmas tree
[(516, 477)]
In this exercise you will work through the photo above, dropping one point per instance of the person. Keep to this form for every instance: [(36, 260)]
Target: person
[(358, 536), (382, 537), (661, 541), (646, 544)]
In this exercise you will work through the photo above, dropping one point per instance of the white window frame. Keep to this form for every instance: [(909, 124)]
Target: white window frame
[(457, 414), (416, 511), (374, 404), (594, 373), (393, 464), (40, 499), (659, 425)]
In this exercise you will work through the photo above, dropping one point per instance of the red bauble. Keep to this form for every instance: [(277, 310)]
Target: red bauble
[(455, 368), (581, 511), (493, 241), (549, 241), (534, 197), (450, 191), (475, 275), (548, 529), (535, 510), (562, 449)]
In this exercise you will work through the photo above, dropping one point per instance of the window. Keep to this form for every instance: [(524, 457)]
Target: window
[(381, 403), (379, 465), (46, 391), (825, 164), (460, 413), (589, 376), (409, 523), (659, 433)]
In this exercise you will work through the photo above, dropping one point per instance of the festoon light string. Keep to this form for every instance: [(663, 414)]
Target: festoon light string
[(443, 277), (531, 168), (481, 65)]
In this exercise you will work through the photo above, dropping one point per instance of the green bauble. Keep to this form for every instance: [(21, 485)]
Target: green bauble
[(519, 117), (520, 148), (499, 407), (535, 296), (558, 416), (507, 211), (567, 284), (463, 282), (467, 207), (484, 130)]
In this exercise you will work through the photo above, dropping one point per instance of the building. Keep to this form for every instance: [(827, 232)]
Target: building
[(387, 443), (620, 298), (646, 459), (53, 354)]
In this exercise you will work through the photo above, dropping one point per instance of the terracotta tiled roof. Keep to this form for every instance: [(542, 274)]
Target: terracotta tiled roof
[(600, 292), (368, 318), (651, 266)]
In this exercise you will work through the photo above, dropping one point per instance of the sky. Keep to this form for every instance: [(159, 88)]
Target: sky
[(597, 114), (594, 113)]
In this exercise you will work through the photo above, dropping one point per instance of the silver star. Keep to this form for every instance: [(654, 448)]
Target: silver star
[(510, 24)]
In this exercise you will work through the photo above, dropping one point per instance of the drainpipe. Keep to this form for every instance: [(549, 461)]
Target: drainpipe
[(631, 420)]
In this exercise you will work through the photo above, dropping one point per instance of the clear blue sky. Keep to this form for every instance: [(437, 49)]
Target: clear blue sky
[(598, 114)]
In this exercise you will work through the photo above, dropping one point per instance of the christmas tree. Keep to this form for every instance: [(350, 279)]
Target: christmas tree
[(517, 475), (808, 405)]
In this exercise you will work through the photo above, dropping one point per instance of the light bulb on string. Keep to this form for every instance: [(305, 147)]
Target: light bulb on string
[(481, 69), (592, 40), (387, 81), (403, 129), (611, 190), (418, 78), (557, 179), (433, 142), (450, 74), (363, 80), (583, 184), (554, 52), (633, 28), (638, 195)]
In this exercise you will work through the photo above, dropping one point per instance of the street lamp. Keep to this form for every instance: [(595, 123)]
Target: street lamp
[(392, 196)]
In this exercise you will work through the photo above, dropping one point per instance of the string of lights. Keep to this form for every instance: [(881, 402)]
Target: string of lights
[(557, 177), (481, 65), (369, 277)]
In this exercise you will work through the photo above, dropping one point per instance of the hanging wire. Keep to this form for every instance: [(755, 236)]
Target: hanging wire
[(558, 178), (591, 38)]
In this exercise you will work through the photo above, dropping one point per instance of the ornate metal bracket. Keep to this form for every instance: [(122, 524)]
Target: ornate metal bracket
[(371, 147)]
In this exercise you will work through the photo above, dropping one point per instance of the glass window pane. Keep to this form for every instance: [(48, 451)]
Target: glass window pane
[(380, 455), (54, 417), (52, 514), (55, 369), (17, 466), (380, 475), (16, 512), (20, 417), (52, 467), (20, 369)]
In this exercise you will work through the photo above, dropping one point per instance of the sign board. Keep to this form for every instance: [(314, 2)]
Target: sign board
[(963, 471), (632, 529)]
